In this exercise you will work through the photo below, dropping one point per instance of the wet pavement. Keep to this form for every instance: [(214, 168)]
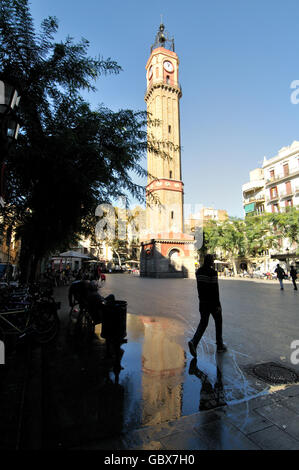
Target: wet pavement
[(150, 393)]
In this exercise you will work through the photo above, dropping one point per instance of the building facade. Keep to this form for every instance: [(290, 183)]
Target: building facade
[(166, 251), (275, 186), (273, 189), (254, 193), (281, 175)]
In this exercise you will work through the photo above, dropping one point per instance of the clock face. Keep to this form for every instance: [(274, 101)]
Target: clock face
[(168, 66), (150, 72)]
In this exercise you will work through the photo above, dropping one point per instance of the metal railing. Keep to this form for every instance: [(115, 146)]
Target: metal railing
[(288, 174)]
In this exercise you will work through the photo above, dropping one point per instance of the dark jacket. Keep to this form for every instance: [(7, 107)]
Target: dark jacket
[(293, 273), (207, 286), (280, 273)]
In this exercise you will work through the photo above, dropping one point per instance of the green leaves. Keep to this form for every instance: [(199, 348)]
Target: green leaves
[(254, 235)]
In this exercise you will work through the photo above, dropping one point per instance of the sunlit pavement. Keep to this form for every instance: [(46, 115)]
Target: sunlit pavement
[(155, 396)]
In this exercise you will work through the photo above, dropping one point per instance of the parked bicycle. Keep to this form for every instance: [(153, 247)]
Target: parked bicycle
[(28, 311)]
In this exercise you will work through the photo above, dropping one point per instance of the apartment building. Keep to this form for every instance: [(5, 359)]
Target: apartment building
[(275, 186), (254, 193), (202, 217), (281, 174)]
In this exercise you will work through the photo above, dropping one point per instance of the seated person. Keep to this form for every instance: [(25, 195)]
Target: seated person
[(78, 292)]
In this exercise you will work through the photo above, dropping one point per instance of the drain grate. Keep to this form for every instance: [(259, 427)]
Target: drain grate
[(275, 374)]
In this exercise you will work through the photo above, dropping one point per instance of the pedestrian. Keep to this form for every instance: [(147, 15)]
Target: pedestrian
[(209, 304), (280, 275), (293, 274)]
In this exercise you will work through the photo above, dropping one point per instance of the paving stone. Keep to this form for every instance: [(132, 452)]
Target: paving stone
[(274, 438), (221, 435), (184, 440), (187, 422), (282, 417), (247, 421), (291, 391), (293, 404), (148, 434)]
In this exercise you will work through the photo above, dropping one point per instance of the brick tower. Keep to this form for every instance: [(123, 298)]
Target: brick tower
[(166, 251)]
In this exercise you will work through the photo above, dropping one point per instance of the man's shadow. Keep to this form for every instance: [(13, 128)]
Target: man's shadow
[(210, 396)]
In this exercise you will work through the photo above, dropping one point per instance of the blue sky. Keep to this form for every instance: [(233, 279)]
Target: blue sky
[(237, 61)]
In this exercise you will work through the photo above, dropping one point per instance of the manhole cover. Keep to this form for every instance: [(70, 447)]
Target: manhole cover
[(275, 373)]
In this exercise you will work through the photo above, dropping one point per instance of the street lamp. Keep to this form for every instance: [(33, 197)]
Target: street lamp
[(9, 126), (287, 260)]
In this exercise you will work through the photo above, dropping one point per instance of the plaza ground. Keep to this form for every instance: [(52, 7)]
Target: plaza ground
[(152, 395)]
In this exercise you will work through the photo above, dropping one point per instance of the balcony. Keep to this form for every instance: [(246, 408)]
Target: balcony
[(272, 198), (253, 185), (175, 87), (286, 194), (257, 199), (278, 178)]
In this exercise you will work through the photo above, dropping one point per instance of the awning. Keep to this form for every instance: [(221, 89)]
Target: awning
[(73, 254)]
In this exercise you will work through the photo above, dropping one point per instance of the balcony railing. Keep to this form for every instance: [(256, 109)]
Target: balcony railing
[(290, 173), (272, 198), (285, 194), (247, 200), (154, 83)]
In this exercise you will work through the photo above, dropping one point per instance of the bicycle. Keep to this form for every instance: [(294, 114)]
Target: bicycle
[(22, 315)]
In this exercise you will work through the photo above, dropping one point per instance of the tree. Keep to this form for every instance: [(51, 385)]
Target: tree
[(259, 235), (68, 158), (227, 236), (287, 224)]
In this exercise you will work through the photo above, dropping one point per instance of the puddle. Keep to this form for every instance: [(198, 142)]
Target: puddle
[(162, 382)]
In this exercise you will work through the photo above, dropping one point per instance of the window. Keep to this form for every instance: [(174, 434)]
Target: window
[(288, 187), (272, 174), (289, 203), (169, 129), (167, 79), (273, 192), (172, 214), (170, 174), (285, 169)]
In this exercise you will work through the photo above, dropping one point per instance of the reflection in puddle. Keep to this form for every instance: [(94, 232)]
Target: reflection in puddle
[(161, 382)]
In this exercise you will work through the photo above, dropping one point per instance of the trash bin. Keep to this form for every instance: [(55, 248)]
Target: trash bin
[(114, 325)]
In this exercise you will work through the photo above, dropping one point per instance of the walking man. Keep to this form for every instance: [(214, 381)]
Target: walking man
[(280, 275), (209, 304), (293, 274)]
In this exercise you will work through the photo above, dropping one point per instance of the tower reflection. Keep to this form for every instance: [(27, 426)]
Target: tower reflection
[(162, 366), (211, 396)]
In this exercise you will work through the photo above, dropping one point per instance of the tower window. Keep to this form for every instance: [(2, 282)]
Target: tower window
[(167, 79), (170, 174), (172, 214), (169, 129)]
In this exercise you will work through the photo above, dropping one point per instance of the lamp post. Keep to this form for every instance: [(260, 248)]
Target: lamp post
[(9, 126), (287, 260)]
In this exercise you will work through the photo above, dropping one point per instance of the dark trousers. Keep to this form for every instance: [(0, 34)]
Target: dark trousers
[(294, 283), (205, 312)]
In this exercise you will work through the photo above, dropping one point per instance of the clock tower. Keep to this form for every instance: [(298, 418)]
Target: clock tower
[(167, 251)]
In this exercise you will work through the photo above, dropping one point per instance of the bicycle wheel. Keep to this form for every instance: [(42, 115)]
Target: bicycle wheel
[(85, 326), (46, 324)]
